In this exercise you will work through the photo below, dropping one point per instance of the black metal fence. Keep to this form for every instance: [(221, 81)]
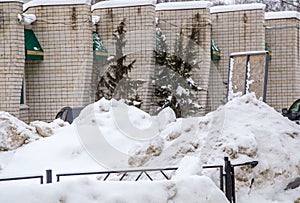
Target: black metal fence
[(226, 172), (24, 178), (123, 172)]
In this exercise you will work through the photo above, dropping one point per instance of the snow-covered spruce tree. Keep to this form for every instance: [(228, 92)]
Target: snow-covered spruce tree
[(174, 86), (163, 75), (115, 82)]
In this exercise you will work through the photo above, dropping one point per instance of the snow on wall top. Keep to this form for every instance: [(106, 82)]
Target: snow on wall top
[(240, 7), (11, 1), (183, 5), (122, 3), (282, 14), (34, 3), (248, 53)]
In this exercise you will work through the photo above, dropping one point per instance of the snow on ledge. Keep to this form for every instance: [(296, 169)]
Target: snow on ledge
[(282, 14), (239, 7), (122, 3), (248, 53), (183, 5), (35, 3), (21, 1), (28, 18), (95, 19)]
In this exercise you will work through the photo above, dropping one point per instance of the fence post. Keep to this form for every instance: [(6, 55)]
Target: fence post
[(228, 179), (233, 183), (221, 179), (48, 176)]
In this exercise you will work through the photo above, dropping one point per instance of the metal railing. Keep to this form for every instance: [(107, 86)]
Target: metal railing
[(230, 180), (226, 172), (124, 172), (23, 178)]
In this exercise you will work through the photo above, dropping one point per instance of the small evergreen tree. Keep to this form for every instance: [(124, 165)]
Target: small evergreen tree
[(115, 82), (174, 86)]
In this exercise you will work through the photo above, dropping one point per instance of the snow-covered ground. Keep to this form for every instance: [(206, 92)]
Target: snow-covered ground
[(245, 129)]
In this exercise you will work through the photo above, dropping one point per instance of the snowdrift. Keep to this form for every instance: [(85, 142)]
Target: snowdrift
[(193, 189), (14, 132), (245, 129)]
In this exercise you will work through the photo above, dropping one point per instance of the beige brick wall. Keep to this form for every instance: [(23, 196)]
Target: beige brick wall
[(67, 75), (140, 35), (170, 23), (24, 114), (234, 31), (282, 36), (64, 77), (11, 56)]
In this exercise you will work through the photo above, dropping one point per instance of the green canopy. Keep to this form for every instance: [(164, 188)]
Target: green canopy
[(33, 49), (100, 52), (215, 51)]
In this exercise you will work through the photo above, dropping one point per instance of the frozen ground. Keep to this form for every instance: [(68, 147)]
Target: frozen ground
[(245, 129)]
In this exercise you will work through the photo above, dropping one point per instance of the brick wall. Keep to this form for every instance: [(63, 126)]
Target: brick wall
[(282, 36), (233, 31), (64, 77), (11, 56), (140, 35)]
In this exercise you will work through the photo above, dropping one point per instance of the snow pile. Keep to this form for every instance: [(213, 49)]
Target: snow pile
[(245, 130), (48, 129), (252, 130), (62, 153), (188, 166), (165, 117), (187, 183), (195, 189), (14, 132)]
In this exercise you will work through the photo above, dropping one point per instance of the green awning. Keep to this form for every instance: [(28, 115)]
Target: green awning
[(215, 51), (33, 49), (100, 52)]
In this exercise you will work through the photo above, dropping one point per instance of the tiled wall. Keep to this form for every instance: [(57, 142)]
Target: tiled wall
[(64, 77), (282, 36), (235, 31), (11, 56)]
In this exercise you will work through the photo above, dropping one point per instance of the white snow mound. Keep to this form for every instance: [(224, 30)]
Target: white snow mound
[(13, 132), (245, 129)]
